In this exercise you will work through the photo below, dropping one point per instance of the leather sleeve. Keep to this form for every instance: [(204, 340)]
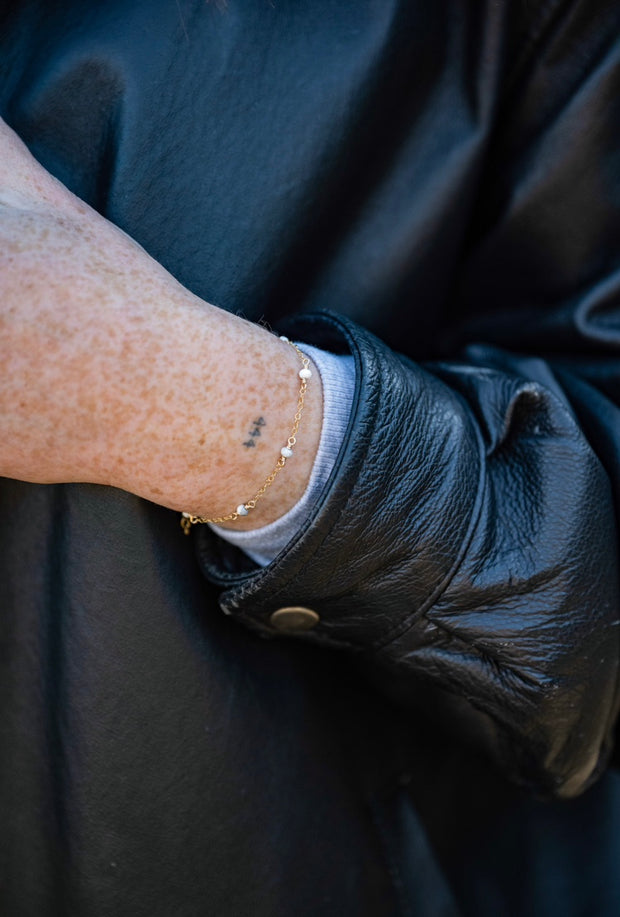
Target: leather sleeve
[(466, 542), (466, 546)]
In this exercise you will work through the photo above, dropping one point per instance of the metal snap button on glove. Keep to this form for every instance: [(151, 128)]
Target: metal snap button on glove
[(294, 618)]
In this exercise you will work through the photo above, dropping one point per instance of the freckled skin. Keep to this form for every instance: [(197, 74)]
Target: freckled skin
[(113, 373)]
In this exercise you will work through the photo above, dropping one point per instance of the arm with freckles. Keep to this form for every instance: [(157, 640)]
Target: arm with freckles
[(113, 373)]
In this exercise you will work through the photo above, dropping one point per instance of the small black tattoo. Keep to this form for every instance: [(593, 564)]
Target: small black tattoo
[(254, 432)]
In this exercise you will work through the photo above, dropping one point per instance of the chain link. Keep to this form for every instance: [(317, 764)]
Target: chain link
[(188, 519)]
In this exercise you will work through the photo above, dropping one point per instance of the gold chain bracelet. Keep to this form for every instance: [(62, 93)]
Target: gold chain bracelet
[(188, 519)]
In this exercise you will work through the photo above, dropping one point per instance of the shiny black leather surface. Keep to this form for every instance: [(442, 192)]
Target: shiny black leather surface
[(445, 176), (485, 562)]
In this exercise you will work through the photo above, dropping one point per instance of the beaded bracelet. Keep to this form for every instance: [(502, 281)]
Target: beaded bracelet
[(188, 519)]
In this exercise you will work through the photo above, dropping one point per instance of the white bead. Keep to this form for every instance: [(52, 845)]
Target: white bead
[(283, 337), (305, 373), (286, 452), (241, 510)]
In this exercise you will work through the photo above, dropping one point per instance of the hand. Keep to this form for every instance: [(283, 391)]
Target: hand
[(114, 373)]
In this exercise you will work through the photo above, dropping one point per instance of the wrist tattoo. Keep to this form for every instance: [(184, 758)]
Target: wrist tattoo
[(254, 432), (286, 452)]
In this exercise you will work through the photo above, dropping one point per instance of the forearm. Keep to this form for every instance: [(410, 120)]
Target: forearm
[(182, 419), (113, 373)]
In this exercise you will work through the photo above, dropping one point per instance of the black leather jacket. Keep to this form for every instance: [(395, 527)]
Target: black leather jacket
[(444, 180)]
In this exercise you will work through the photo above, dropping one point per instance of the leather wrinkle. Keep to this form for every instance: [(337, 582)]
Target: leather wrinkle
[(539, 34), (362, 134)]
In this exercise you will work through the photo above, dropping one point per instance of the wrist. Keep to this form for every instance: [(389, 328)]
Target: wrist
[(286, 453), (191, 439)]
